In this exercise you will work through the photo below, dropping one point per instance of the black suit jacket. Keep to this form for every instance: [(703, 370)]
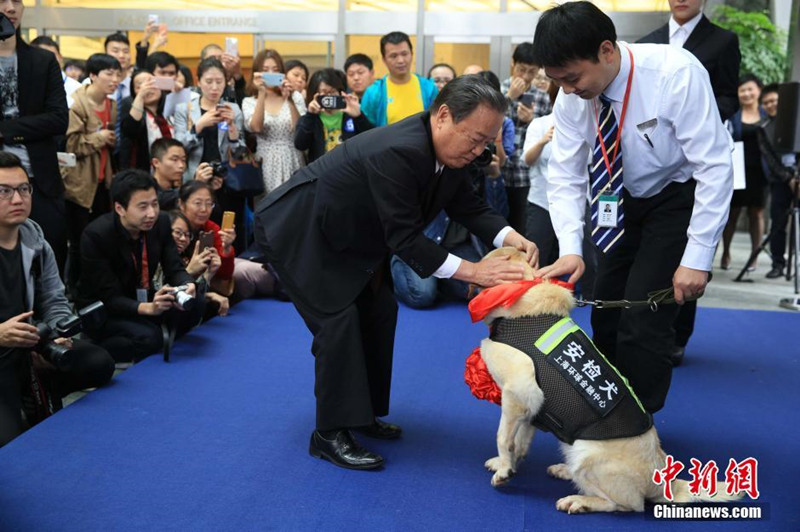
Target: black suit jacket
[(332, 226), (108, 271), (718, 50), (43, 115)]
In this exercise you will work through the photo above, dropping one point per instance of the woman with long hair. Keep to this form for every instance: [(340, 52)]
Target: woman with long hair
[(272, 112), (142, 121)]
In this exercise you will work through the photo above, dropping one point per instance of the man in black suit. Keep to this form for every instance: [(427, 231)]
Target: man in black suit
[(330, 230), (34, 113), (718, 51)]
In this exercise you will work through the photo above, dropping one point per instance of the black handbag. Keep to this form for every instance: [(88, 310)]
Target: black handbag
[(244, 172)]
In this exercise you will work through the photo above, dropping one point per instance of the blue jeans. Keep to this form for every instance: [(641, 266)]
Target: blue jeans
[(416, 292)]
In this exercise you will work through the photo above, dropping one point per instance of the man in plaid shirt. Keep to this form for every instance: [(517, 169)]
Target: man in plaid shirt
[(525, 102)]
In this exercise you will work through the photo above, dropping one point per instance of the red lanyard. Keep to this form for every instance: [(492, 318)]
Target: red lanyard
[(145, 273), (621, 121)]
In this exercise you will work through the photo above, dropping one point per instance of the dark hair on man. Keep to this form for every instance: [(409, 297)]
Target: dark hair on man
[(524, 54), (395, 37), (207, 48), (768, 88), (207, 64), (296, 63), (77, 63), (187, 75), (44, 40), (747, 78), (99, 62), (330, 76), (160, 60), (465, 93), (358, 59), (161, 146), (571, 32), (9, 160), (444, 65), (128, 181), (189, 188), (491, 77), (116, 37)]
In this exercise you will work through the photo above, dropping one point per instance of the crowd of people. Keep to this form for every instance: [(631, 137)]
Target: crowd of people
[(115, 187)]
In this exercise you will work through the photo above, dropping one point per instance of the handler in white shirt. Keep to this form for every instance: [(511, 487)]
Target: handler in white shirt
[(676, 180)]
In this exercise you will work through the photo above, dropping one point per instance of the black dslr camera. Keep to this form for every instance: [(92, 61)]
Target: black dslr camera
[(219, 169), (59, 355), (485, 159)]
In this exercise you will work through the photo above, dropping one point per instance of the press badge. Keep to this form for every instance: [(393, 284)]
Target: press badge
[(141, 295), (608, 207)]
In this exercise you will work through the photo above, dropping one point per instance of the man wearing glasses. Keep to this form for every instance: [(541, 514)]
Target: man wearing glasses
[(31, 291)]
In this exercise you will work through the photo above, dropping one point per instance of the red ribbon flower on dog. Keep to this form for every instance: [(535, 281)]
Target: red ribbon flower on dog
[(479, 380)]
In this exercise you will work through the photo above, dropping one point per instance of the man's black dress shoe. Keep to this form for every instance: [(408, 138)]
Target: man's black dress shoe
[(774, 273), (343, 450), (381, 430), (677, 356)]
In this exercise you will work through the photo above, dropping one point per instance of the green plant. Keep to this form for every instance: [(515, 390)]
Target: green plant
[(762, 44)]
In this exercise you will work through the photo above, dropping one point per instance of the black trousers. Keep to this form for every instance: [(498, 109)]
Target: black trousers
[(518, 208), (50, 214), (78, 218), (780, 203), (131, 339), (638, 341), (91, 367), (353, 351)]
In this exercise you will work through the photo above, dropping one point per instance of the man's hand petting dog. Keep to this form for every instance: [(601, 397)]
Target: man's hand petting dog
[(497, 270)]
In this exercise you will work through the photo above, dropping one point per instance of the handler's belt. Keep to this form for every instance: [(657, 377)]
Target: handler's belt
[(585, 396)]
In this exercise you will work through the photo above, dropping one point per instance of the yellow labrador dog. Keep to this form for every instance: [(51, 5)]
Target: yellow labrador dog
[(610, 458)]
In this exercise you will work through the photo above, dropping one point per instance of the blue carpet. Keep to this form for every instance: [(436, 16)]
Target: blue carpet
[(217, 439)]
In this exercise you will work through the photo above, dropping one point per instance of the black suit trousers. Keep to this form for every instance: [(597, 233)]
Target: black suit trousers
[(353, 351), (636, 340), (50, 214)]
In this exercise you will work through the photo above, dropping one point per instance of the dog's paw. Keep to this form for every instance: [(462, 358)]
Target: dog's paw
[(493, 464), (560, 471), (502, 476), (572, 504)]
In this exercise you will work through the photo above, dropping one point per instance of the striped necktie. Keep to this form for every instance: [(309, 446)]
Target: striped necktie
[(604, 185)]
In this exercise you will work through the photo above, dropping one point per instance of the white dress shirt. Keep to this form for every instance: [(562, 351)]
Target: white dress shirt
[(70, 86), (678, 34), (671, 102), (452, 262), (538, 172)]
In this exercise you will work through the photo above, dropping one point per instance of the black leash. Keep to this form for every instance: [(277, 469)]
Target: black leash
[(654, 299)]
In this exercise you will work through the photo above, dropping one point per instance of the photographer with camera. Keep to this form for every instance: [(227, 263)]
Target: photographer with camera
[(333, 115), (120, 253), (31, 289)]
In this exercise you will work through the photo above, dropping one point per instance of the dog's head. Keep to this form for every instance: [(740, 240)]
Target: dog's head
[(540, 299)]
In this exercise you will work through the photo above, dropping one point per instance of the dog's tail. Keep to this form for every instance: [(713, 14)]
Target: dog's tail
[(682, 494)]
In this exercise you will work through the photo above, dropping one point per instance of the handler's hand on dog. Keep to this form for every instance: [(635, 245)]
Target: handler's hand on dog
[(516, 240), (490, 272), (688, 282), (568, 264)]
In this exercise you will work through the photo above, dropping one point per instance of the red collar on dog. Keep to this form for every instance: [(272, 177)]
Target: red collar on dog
[(506, 295)]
